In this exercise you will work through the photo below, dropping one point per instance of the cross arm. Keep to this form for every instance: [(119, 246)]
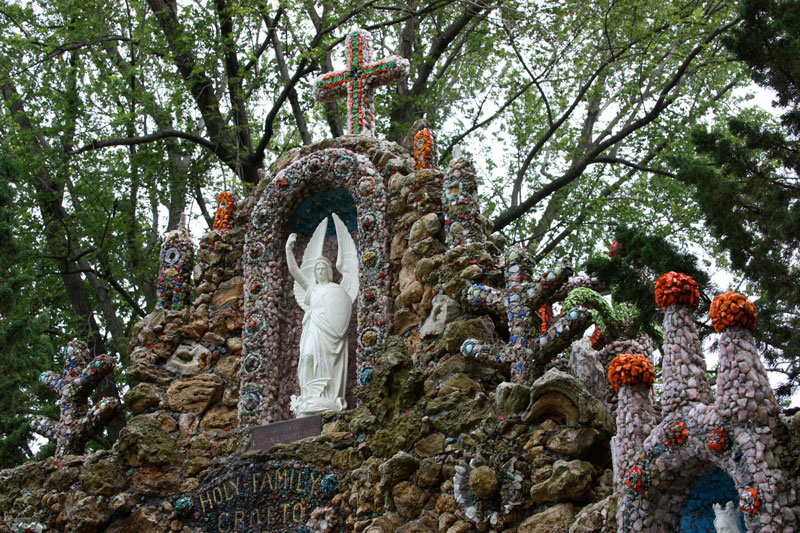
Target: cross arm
[(46, 428), (486, 297), (331, 86), (50, 379)]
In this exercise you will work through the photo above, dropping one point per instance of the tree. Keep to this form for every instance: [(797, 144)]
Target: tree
[(24, 344), (117, 114), (746, 178)]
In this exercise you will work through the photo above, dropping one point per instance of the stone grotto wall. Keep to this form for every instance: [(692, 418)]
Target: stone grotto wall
[(470, 415)]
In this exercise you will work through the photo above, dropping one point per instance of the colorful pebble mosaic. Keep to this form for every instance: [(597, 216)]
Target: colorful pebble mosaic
[(728, 435), (175, 274)]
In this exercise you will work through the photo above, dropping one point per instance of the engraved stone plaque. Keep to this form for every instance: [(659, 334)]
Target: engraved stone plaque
[(274, 496), (265, 437)]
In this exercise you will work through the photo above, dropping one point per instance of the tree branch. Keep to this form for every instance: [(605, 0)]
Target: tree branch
[(633, 165), (234, 75), (155, 136), (575, 170)]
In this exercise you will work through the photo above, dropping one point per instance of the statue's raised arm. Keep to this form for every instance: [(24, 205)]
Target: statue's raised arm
[(304, 275)]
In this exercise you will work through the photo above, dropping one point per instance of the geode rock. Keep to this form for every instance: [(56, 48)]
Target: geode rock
[(195, 394), (141, 397), (409, 499), (511, 398), (396, 385), (556, 519), (102, 478), (562, 397), (585, 364), (483, 481)]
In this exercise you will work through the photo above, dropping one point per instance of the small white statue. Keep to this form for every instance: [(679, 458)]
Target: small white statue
[(322, 368), (728, 519)]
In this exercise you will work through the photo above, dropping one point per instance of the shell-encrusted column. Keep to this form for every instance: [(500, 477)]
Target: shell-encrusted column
[(462, 219), (175, 275), (683, 368), (749, 411), (632, 375), (743, 388)]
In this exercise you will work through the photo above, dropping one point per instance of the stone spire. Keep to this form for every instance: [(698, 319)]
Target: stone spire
[(684, 367)]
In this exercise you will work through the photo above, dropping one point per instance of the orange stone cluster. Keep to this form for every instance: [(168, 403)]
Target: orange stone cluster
[(676, 288), (630, 369), (225, 207), (732, 309), (546, 314), (424, 146)]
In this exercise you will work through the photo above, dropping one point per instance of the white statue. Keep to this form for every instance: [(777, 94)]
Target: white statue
[(322, 368), (728, 519)]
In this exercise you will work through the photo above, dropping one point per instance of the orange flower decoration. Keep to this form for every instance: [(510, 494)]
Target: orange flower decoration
[(749, 502), (676, 288), (676, 434), (732, 309), (225, 206), (630, 369), (717, 439)]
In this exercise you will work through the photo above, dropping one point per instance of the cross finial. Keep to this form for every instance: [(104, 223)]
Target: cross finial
[(359, 80)]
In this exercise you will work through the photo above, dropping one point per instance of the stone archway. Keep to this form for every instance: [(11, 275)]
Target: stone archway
[(269, 360), (697, 515)]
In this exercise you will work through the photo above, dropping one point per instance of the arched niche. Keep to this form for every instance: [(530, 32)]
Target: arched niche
[(715, 487), (677, 465), (294, 200)]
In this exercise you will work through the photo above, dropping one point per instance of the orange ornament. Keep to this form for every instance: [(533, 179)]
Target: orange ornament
[(546, 314), (732, 309), (630, 369), (597, 339), (225, 207), (676, 288)]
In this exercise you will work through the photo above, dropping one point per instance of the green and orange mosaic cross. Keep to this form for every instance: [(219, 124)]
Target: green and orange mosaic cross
[(359, 80)]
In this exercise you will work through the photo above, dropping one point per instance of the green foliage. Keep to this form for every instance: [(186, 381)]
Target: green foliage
[(24, 347), (602, 312), (768, 41), (632, 273)]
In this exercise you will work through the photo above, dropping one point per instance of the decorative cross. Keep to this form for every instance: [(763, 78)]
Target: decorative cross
[(359, 81), (78, 423)]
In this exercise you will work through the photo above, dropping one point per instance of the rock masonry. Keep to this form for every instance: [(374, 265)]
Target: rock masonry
[(467, 414)]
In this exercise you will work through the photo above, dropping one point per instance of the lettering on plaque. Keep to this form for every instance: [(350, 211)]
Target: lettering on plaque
[(275, 496)]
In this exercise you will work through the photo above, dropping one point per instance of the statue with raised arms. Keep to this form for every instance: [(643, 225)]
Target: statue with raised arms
[(322, 367)]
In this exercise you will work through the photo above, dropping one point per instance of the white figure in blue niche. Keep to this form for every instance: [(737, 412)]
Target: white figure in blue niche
[(728, 519), (322, 368)]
